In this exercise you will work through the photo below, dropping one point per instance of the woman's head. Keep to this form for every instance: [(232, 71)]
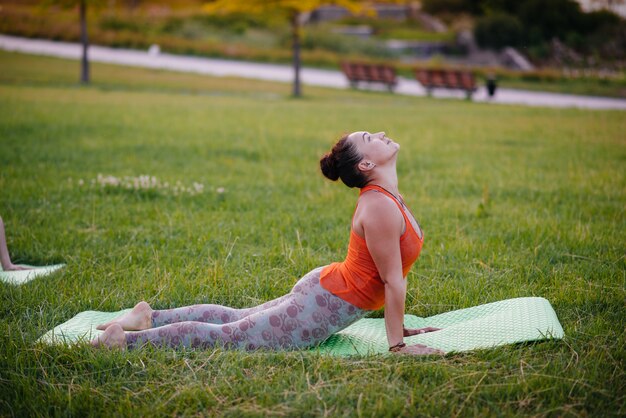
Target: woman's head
[(356, 155), (342, 163)]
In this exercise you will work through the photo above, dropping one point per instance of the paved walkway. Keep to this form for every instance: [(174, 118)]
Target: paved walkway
[(284, 73)]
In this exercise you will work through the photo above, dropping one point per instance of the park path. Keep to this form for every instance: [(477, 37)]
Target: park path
[(284, 73)]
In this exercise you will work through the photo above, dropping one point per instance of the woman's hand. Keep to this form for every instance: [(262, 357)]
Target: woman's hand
[(418, 350), (408, 332)]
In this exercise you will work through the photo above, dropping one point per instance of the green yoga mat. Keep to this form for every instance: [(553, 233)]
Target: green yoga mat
[(23, 276), (499, 323), (505, 322)]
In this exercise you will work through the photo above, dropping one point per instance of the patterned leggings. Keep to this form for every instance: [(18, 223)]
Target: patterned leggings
[(303, 318)]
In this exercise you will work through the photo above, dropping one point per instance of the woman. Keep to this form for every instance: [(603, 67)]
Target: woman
[(384, 242)]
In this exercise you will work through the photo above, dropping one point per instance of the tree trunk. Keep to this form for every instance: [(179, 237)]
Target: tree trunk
[(295, 28), (84, 68)]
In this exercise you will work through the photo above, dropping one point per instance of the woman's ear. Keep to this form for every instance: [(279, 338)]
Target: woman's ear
[(366, 166)]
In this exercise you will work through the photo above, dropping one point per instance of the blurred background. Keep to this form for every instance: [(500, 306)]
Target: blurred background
[(556, 45)]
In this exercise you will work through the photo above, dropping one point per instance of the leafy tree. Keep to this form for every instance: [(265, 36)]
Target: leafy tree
[(84, 39), (451, 6), (498, 31), (489, 7), (290, 9), (554, 19)]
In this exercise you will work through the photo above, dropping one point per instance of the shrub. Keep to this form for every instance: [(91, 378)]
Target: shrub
[(450, 6), (601, 18), (114, 23), (498, 31), (322, 39), (610, 42), (554, 18)]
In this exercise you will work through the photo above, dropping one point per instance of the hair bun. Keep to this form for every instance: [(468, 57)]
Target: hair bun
[(328, 164)]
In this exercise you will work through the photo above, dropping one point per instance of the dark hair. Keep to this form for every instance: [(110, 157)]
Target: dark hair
[(341, 162)]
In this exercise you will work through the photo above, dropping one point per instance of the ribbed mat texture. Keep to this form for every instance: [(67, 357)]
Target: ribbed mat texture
[(505, 322)]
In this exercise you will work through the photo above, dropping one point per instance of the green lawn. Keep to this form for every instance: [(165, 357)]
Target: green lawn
[(514, 202)]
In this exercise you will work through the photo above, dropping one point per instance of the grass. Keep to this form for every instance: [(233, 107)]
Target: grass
[(514, 201), (590, 86)]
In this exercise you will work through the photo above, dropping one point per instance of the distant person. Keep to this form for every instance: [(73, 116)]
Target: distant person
[(5, 259), (385, 241), (491, 85)]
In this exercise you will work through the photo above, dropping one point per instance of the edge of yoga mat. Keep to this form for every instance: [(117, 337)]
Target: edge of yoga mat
[(18, 277), (480, 327), (80, 328)]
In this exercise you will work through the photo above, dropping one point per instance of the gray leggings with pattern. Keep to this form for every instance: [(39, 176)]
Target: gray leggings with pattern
[(303, 318)]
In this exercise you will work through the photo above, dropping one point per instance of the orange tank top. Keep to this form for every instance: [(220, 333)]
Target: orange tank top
[(356, 280)]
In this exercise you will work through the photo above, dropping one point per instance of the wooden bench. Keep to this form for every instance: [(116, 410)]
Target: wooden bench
[(447, 79), (370, 73)]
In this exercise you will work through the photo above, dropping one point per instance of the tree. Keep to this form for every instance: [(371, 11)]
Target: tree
[(498, 31), (291, 9), (84, 41), (84, 38)]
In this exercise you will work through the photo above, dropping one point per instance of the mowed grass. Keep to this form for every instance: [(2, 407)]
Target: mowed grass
[(514, 202)]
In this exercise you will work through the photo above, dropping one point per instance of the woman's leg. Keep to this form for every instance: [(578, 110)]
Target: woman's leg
[(213, 314), (143, 317), (305, 319)]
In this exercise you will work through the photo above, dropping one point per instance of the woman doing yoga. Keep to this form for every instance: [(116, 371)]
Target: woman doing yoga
[(385, 241)]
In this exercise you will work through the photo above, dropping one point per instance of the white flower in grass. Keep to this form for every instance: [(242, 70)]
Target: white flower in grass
[(146, 182), (198, 187), (107, 180), (80, 182), (220, 190)]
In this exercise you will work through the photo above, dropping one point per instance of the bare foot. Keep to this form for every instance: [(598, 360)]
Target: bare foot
[(113, 337), (138, 319), (15, 267), (419, 350)]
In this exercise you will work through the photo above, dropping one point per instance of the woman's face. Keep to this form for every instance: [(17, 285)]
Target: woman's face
[(374, 147)]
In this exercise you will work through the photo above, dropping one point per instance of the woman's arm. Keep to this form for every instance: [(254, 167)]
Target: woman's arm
[(5, 259), (382, 225)]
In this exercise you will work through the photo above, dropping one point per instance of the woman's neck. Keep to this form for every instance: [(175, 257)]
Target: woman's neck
[(386, 180)]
